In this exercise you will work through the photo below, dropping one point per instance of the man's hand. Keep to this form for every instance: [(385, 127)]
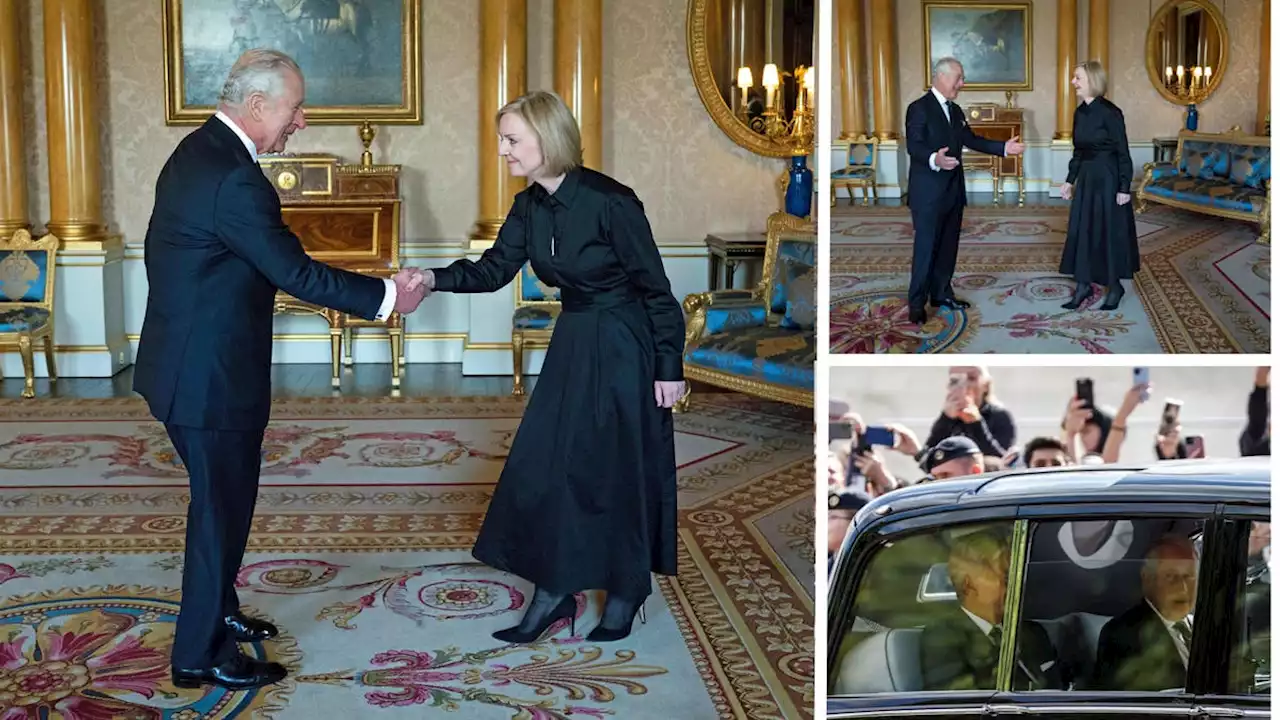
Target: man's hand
[(1066, 191), (904, 440), (1123, 198), (667, 392), (945, 161), (410, 290), (1013, 147)]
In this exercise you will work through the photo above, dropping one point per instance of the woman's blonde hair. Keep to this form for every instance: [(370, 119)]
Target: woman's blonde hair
[(1097, 77), (556, 128)]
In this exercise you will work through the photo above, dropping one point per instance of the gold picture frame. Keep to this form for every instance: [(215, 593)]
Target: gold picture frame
[(979, 72), (351, 75)]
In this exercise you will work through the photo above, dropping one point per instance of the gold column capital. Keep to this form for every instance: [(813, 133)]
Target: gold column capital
[(503, 78), (13, 161), (579, 31), (1067, 21), (884, 77)]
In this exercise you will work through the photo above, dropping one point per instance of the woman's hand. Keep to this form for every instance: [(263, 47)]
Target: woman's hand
[(1123, 198), (1167, 445), (1066, 191), (1132, 399), (667, 392), (1076, 417)]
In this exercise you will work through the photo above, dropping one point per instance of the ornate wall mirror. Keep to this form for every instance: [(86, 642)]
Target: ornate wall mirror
[(1187, 50), (731, 43)]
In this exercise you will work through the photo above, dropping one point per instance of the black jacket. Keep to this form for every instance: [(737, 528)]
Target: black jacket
[(928, 131)]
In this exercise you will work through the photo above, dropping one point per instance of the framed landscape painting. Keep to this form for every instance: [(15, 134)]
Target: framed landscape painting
[(992, 40), (360, 58)]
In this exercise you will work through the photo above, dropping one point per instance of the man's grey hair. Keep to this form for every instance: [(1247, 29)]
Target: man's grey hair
[(257, 71), (946, 64)]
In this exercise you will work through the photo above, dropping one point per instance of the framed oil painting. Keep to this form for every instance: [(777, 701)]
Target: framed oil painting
[(992, 40), (361, 58)]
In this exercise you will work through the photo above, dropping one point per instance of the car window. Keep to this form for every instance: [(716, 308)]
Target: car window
[(1110, 604), (928, 611), (1251, 658)]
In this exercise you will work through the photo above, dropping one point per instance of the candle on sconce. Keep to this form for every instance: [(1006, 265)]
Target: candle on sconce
[(745, 81), (769, 78), (809, 82), (1168, 75)]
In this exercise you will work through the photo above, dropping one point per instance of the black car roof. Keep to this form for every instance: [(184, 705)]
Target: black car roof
[(1243, 480)]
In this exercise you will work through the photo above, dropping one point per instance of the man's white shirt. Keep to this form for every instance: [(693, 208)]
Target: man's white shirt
[(945, 111), (389, 299)]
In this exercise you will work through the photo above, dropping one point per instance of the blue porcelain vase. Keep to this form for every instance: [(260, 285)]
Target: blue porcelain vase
[(1193, 117), (799, 199)]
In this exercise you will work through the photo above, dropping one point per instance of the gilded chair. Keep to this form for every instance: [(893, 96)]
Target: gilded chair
[(762, 341), (27, 271), (859, 169), (537, 308)]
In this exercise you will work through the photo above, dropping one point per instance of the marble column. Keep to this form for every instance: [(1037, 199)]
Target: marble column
[(1264, 71), (1100, 32), (13, 161), (503, 78), (75, 183), (1066, 67), (578, 32), (884, 76), (850, 36)]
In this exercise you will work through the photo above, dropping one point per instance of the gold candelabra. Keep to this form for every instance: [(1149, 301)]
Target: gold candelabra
[(1189, 85), (798, 132)]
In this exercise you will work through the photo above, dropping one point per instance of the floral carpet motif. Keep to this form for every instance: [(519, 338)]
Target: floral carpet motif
[(383, 611), (1204, 287)]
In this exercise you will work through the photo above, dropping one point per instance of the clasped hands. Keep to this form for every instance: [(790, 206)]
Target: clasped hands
[(413, 285), (1068, 190), (945, 162)]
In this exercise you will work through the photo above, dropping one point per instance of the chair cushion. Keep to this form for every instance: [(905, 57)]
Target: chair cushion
[(22, 319), (802, 308), (1204, 160), (22, 275), (533, 318), (534, 290), (858, 173), (774, 355), (1212, 193), (723, 318), (1250, 166), (795, 263)]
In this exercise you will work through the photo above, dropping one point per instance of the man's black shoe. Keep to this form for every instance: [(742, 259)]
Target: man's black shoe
[(241, 672), (917, 316), (951, 303), (249, 629)]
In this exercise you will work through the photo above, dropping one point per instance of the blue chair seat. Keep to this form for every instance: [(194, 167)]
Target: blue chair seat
[(22, 319), (858, 173), (770, 354), (533, 318), (1213, 193)]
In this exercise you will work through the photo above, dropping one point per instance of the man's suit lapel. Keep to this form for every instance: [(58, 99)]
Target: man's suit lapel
[(228, 138)]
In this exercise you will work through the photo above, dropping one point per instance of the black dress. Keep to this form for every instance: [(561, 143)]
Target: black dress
[(587, 499), (1102, 239)]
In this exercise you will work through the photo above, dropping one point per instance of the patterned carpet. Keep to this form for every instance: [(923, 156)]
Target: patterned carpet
[(360, 552), (1204, 287)]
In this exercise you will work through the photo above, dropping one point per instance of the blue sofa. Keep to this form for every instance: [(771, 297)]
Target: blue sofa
[(1223, 174), (763, 341)]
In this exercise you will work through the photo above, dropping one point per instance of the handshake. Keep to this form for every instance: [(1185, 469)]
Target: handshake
[(413, 285)]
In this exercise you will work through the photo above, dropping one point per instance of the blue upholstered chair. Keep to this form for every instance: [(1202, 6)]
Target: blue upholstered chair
[(27, 270), (859, 169), (537, 307), (763, 341), (1223, 174)]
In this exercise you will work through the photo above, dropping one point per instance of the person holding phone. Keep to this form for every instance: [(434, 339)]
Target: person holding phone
[(1256, 438), (971, 410)]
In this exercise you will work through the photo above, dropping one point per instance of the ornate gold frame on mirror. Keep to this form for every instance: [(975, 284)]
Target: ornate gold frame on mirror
[(1154, 72), (704, 80)]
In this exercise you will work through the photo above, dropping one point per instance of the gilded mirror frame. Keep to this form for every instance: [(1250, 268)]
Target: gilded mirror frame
[(1155, 74), (708, 91)]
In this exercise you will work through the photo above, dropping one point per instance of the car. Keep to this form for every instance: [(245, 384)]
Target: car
[(1082, 563)]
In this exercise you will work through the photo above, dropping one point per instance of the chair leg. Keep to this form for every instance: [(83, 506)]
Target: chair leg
[(397, 354), (335, 355), (49, 362), (875, 194), (517, 363), (346, 346), (28, 366)]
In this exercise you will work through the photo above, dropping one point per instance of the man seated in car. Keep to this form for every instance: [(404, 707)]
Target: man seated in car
[(960, 649), (1146, 647)]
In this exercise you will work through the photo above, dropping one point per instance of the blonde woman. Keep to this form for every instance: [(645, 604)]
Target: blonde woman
[(1102, 238), (587, 499)]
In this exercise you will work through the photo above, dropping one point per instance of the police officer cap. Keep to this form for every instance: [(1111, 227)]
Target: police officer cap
[(947, 450)]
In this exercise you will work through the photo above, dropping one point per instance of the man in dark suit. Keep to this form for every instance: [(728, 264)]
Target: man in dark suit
[(960, 648), (1148, 646), (217, 251), (937, 133)]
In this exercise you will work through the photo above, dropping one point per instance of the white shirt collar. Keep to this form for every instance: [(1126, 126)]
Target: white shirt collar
[(983, 625), (1184, 652), (942, 100), (248, 144)]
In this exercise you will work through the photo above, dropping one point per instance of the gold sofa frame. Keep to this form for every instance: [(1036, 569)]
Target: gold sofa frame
[(531, 339), (21, 241), (696, 305), (1234, 136)]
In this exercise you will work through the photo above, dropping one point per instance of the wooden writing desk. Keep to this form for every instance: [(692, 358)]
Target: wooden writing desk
[(347, 216), (997, 122)]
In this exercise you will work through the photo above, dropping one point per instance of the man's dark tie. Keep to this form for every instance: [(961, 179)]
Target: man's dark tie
[(1184, 632), (995, 636)]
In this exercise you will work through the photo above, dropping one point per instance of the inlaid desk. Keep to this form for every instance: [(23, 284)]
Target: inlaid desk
[(997, 122), (347, 216)]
